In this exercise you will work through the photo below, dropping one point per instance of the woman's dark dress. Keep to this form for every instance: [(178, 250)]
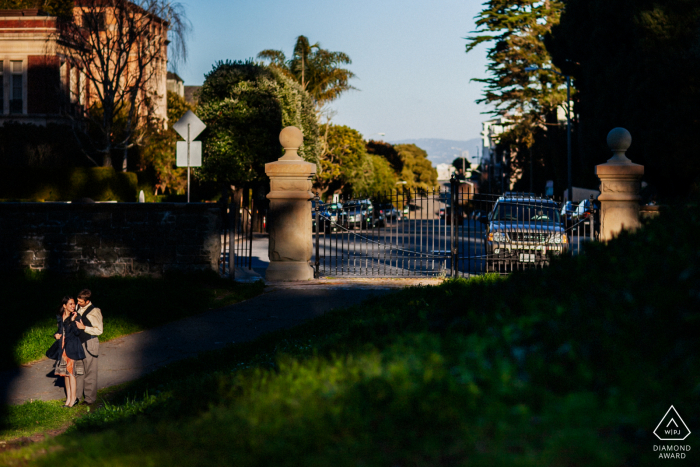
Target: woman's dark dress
[(72, 348)]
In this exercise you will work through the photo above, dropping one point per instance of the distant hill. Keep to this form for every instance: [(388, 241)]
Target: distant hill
[(446, 150)]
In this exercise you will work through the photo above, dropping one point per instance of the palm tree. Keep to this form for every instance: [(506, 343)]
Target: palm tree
[(316, 69)]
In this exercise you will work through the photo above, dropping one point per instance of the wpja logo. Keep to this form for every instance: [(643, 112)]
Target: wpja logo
[(672, 428)]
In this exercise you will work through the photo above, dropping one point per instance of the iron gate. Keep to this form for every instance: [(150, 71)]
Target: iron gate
[(450, 231), (237, 235)]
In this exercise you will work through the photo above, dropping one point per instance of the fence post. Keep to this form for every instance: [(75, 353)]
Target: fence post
[(619, 187), (317, 201), (290, 211), (454, 187)]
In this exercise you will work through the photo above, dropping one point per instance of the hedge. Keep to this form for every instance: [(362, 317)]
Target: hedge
[(96, 183)]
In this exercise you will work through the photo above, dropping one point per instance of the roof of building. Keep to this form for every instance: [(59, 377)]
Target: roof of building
[(174, 76)]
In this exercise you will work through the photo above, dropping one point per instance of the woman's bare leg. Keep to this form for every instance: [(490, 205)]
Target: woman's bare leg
[(72, 390), (66, 379)]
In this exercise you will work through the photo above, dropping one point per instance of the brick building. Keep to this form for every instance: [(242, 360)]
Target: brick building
[(38, 84)]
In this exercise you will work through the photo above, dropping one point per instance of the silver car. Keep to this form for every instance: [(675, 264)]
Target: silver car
[(524, 230)]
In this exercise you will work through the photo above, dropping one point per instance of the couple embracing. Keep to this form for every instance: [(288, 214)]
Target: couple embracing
[(77, 347)]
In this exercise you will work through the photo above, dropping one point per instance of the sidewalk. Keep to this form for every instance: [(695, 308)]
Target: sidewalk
[(125, 359)]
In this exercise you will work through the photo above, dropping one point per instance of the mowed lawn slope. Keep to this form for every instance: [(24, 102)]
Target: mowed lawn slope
[(573, 365)]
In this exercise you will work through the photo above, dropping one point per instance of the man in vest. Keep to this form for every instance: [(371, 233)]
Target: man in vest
[(90, 325)]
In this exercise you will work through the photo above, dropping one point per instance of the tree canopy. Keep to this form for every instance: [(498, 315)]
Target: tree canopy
[(639, 68), (347, 167), (317, 70), (418, 172), (159, 148), (245, 106)]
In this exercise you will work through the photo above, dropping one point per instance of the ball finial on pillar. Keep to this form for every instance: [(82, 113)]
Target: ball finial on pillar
[(619, 141), (291, 139)]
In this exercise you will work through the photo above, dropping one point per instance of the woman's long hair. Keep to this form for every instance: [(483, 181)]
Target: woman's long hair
[(65, 300)]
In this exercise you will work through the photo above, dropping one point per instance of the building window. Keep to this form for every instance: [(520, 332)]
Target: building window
[(16, 106)]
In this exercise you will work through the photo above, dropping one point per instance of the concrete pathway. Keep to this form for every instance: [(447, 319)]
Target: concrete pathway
[(125, 359)]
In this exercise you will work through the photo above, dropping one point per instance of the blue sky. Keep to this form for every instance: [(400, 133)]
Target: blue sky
[(413, 73)]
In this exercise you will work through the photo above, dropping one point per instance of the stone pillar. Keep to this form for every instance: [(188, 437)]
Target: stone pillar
[(290, 212), (619, 187)]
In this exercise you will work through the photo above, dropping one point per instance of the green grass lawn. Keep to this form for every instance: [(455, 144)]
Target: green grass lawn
[(573, 365), (128, 304)]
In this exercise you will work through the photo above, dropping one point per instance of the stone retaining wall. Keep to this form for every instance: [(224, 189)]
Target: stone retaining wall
[(109, 239)]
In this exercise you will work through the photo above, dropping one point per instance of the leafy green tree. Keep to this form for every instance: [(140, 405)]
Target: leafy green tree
[(417, 171), (245, 106), (344, 162), (383, 177), (516, 30), (388, 152), (346, 166), (317, 70), (639, 68)]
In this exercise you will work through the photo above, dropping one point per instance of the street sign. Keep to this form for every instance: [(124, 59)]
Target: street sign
[(189, 152), (196, 126), (195, 154)]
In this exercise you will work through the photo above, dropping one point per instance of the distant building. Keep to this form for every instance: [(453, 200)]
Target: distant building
[(445, 171), (493, 163), (175, 84)]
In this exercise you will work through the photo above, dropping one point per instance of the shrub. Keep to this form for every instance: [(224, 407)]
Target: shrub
[(97, 183)]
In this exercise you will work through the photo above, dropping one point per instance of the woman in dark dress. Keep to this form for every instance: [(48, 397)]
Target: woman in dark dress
[(72, 350)]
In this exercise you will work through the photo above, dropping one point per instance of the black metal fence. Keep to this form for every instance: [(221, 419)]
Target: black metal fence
[(238, 223), (448, 231)]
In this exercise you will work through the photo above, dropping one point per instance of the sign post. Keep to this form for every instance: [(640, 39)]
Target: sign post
[(189, 153)]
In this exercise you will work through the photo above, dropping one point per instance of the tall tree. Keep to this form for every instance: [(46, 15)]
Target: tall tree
[(119, 46), (317, 70), (639, 69), (516, 30)]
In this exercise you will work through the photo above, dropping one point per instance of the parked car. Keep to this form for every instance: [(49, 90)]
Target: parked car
[(388, 210), (355, 217), (366, 208), (332, 217), (523, 230)]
